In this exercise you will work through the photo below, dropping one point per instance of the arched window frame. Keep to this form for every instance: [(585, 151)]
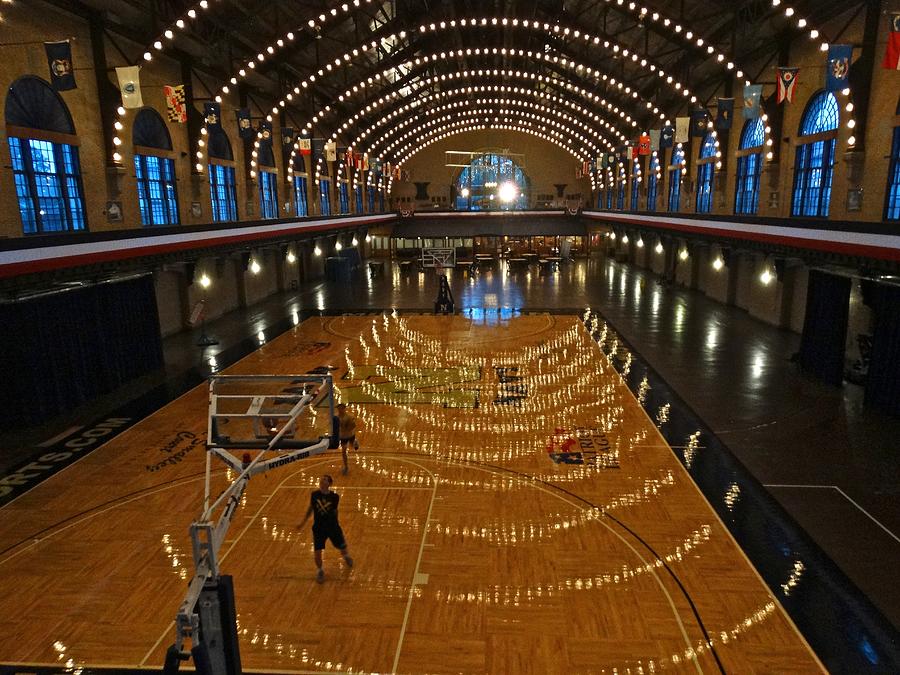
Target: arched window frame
[(358, 194), (498, 168), (46, 166), (154, 171), (221, 172), (653, 182), (343, 196), (301, 187), (621, 186), (676, 169), (706, 174), (636, 180), (814, 159), (892, 194), (267, 181), (749, 167)]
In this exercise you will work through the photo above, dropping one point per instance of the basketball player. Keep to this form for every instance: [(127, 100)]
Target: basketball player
[(347, 432), (323, 505)]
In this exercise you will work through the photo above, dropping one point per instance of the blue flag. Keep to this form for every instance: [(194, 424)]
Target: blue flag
[(724, 113), (212, 115), (699, 123), (666, 137), (837, 67), (751, 101), (245, 125), (265, 128), (59, 59)]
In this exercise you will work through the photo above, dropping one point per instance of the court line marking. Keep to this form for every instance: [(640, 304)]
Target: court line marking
[(690, 481), (88, 516), (128, 666), (845, 496), (412, 587), (230, 548), (353, 487), (601, 521)]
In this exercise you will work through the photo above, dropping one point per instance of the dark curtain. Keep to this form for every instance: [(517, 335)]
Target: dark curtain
[(883, 381), (63, 350), (823, 344)]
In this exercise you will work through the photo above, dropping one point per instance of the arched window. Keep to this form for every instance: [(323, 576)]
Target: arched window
[(621, 184), (359, 198), (749, 165), (371, 195), (324, 191), (268, 181), (154, 169), (635, 183), (609, 194), (44, 151), (344, 197), (301, 185), (892, 207), (706, 166), (675, 171), (653, 176), (222, 191), (477, 184), (815, 156)]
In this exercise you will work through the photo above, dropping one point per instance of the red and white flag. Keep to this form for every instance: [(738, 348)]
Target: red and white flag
[(787, 82), (305, 146), (892, 55)]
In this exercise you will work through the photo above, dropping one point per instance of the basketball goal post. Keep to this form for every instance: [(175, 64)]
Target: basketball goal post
[(289, 415)]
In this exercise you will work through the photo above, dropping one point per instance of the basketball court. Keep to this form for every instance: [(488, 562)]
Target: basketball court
[(511, 509)]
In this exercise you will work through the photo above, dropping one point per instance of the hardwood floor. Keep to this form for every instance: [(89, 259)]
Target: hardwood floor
[(511, 509)]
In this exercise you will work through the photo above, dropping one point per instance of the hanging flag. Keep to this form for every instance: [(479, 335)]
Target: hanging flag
[(837, 67), (365, 161), (176, 110), (654, 139), (130, 86), (666, 137), (699, 123), (644, 144), (635, 151), (892, 55), (682, 128), (305, 146), (577, 172), (787, 80), (59, 59), (287, 136), (724, 113), (245, 124), (212, 115), (318, 148), (330, 152), (752, 94), (264, 131)]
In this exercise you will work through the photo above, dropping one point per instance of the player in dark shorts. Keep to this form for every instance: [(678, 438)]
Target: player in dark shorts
[(323, 506)]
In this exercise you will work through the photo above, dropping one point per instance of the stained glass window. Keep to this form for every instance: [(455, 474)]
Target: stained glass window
[(477, 185), (746, 194)]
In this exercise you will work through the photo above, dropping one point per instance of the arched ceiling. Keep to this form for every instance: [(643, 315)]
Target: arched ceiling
[(353, 69)]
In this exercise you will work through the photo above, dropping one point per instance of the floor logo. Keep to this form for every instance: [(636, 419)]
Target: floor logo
[(583, 445)]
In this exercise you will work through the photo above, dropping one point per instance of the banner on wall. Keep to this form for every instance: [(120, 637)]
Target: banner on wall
[(699, 123), (892, 54), (130, 86), (666, 137), (176, 110), (212, 115), (724, 113), (654, 139), (265, 132), (787, 82), (644, 144), (682, 129), (752, 94), (245, 124), (287, 136), (837, 67), (305, 146), (59, 60), (330, 152)]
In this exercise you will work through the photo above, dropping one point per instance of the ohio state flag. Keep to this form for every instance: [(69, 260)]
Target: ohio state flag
[(787, 81), (892, 55)]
